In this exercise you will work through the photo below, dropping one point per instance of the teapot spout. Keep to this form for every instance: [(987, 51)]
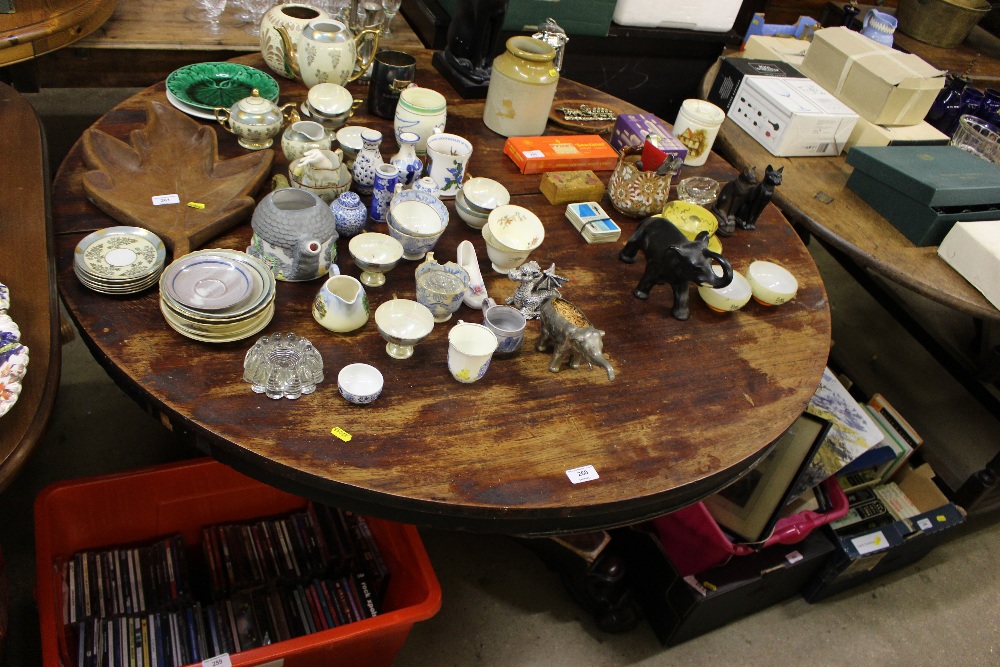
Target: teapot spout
[(288, 53)]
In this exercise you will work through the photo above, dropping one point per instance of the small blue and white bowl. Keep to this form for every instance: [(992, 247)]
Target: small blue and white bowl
[(360, 383)]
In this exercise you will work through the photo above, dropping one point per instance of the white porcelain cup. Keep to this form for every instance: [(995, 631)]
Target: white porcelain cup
[(507, 324), (448, 155), (470, 348)]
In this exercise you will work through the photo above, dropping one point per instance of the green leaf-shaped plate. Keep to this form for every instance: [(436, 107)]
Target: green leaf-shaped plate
[(209, 85)]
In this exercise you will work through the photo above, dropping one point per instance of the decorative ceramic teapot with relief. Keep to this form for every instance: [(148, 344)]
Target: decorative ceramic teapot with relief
[(326, 51)]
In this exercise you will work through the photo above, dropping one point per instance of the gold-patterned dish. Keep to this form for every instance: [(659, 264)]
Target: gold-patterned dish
[(693, 219), (119, 260)]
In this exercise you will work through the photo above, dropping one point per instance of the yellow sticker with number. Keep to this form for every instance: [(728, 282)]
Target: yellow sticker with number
[(341, 433)]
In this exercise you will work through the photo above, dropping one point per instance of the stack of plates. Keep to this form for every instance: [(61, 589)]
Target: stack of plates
[(217, 296), (119, 260)]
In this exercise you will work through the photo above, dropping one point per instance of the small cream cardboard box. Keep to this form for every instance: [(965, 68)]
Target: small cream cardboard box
[(870, 134), (884, 86), (973, 249), (791, 51)]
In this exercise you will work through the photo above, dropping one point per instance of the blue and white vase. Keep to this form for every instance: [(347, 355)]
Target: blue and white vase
[(349, 214), (386, 178), (367, 161), (410, 166)]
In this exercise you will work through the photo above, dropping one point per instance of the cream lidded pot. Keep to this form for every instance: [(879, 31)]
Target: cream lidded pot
[(696, 127), (522, 87), (255, 120)]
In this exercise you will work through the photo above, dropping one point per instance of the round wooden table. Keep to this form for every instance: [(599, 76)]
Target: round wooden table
[(41, 26), (693, 406)]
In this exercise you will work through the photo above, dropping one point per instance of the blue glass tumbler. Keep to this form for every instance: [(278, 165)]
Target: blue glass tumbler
[(945, 109), (990, 105), (972, 100)]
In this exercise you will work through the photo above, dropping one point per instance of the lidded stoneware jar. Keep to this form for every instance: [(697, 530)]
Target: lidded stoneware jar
[(522, 87)]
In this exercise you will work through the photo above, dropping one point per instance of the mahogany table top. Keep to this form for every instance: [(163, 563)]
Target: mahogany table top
[(693, 406)]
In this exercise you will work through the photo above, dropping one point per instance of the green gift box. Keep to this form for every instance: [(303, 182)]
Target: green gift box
[(924, 190)]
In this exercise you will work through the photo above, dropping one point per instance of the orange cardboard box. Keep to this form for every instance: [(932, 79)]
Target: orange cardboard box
[(534, 155)]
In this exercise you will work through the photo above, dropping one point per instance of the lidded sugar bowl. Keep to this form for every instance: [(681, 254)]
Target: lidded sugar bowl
[(255, 120)]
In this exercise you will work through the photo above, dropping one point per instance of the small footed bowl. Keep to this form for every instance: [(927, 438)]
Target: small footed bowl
[(502, 258), (733, 296), (403, 323), (375, 254), (360, 383), (516, 228), (772, 285)]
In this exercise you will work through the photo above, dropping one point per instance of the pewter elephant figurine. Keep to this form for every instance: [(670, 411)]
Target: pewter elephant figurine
[(565, 327), (672, 258)]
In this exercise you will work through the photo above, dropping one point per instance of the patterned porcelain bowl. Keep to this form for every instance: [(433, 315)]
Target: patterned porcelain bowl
[(515, 228), (360, 383)]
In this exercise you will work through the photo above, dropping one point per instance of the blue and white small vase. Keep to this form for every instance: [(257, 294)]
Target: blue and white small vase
[(410, 166), (367, 161), (386, 178), (349, 214)]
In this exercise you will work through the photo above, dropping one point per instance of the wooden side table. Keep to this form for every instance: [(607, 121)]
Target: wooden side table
[(27, 267)]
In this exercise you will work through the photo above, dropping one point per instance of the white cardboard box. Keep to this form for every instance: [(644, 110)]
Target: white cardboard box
[(973, 249), (792, 116), (715, 16)]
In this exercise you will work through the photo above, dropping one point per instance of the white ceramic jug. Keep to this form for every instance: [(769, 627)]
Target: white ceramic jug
[(342, 304)]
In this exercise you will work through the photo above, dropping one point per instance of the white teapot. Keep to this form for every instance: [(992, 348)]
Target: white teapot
[(326, 51)]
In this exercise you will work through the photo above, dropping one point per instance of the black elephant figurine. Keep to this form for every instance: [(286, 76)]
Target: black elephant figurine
[(672, 258)]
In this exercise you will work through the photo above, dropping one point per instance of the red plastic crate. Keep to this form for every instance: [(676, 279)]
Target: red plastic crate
[(137, 506), (695, 542)]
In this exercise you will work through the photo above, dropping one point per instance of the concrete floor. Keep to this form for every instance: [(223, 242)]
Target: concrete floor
[(501, 606)]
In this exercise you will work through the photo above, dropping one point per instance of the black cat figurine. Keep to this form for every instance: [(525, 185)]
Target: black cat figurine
[(733, 199), (760, 198)]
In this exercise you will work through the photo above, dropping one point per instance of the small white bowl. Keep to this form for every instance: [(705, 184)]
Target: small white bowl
[(484, 194), (417, 219), (329, 100), (350, 142), (468, 215), (772, 285), (733, 296), (360, 383), (516, 228)]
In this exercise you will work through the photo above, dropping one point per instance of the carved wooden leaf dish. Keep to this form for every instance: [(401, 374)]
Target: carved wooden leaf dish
[(172, 154)]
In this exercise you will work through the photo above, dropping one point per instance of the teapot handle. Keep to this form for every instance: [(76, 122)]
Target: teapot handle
[(289, 113), (364, 63)]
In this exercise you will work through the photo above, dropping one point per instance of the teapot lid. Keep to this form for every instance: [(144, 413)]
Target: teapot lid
[(255, 103)]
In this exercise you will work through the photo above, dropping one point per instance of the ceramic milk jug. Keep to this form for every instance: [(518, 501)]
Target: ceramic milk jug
[(326, 51), (342, 304), (879, 26)]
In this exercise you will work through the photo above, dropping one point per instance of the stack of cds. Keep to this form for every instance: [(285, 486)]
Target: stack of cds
[(217, 296), (119, 260)]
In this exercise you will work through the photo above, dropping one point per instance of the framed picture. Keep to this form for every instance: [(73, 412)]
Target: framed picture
[(751, 506)]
